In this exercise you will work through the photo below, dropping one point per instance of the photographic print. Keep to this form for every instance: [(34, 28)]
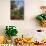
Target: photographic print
[(17, 10)]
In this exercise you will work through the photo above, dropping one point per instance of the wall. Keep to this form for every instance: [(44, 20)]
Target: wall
[(27, 26)]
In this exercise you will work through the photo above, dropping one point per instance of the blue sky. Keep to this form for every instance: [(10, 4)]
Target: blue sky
[(20, 2)]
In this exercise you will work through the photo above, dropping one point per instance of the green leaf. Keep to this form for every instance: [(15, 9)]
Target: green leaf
[(40, 18), (11, 31), (45, 17)]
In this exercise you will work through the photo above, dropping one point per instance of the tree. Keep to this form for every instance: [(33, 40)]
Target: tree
[(13, 5), (21, 11)]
